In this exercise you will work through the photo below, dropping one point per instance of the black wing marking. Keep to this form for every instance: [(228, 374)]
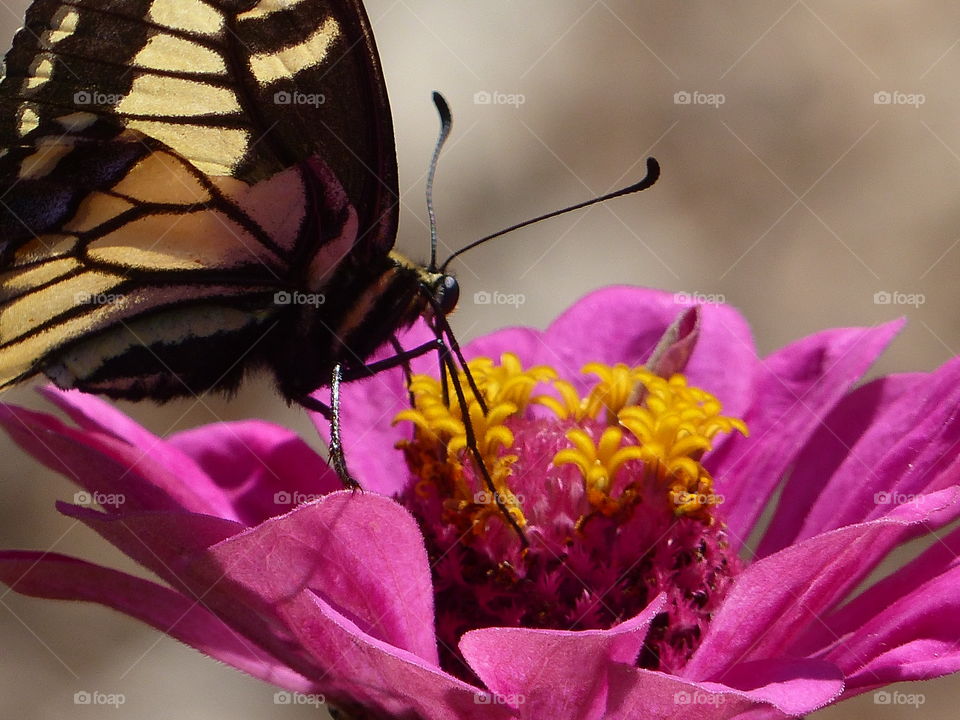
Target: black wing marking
[(241, 89)]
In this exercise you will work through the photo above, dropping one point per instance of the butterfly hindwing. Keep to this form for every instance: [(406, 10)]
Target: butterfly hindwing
[(167, 169), (111, 259)]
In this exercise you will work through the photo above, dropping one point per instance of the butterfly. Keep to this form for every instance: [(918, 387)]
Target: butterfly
[(193, 189)]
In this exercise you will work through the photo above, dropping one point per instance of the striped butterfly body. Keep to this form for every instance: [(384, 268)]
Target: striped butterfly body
[(193, 188)]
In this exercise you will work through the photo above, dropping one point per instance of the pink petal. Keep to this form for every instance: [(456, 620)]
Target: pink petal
[(558, 674), (915, 638), (104, 465), (908, 584), (904, 453), (791, 687), (264, 469), (59, 577), (798, 386), (637, 693), (624, 324), (774, 600), (360, 552), (163, 542), (861, 415), (141, 449), (673, 352), (525, 343), (380, 676), (91, 412)]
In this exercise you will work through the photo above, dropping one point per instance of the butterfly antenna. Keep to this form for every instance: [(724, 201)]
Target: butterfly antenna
[(653, 173), (446, 121)]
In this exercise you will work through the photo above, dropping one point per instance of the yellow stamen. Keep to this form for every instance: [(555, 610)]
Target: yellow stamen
[(568, 406), (671, 429), (599, 462), (614, 389), (667, 432)]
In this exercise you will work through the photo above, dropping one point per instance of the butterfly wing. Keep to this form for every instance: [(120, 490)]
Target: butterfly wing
[(167, 168)]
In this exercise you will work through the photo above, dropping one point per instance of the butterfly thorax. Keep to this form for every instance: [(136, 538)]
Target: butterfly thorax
[(362, 306)]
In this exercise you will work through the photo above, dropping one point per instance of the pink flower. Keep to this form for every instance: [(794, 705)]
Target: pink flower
[(636, 596)]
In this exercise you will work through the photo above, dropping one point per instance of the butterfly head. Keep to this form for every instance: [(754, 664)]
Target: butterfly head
[(439, 291), (444, 291)]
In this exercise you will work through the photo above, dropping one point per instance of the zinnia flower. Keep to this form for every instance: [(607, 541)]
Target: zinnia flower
[(595, 565)]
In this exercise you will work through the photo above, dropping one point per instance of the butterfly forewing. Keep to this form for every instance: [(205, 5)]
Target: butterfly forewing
[(168, 168)]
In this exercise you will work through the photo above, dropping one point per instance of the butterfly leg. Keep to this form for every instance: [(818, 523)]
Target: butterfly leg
[(401, 358), (332, 411), (336, 443)]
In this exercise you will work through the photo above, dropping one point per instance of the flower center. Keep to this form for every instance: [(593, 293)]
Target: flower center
[(608, 488)]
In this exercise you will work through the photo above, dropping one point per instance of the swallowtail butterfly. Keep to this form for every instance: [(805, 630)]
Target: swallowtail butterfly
[(193, 188)]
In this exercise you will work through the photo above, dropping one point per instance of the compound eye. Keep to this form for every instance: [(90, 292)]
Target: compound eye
[(448, 293)]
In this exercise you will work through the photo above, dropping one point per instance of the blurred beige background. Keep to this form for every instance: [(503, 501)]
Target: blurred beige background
[(797, 198)]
